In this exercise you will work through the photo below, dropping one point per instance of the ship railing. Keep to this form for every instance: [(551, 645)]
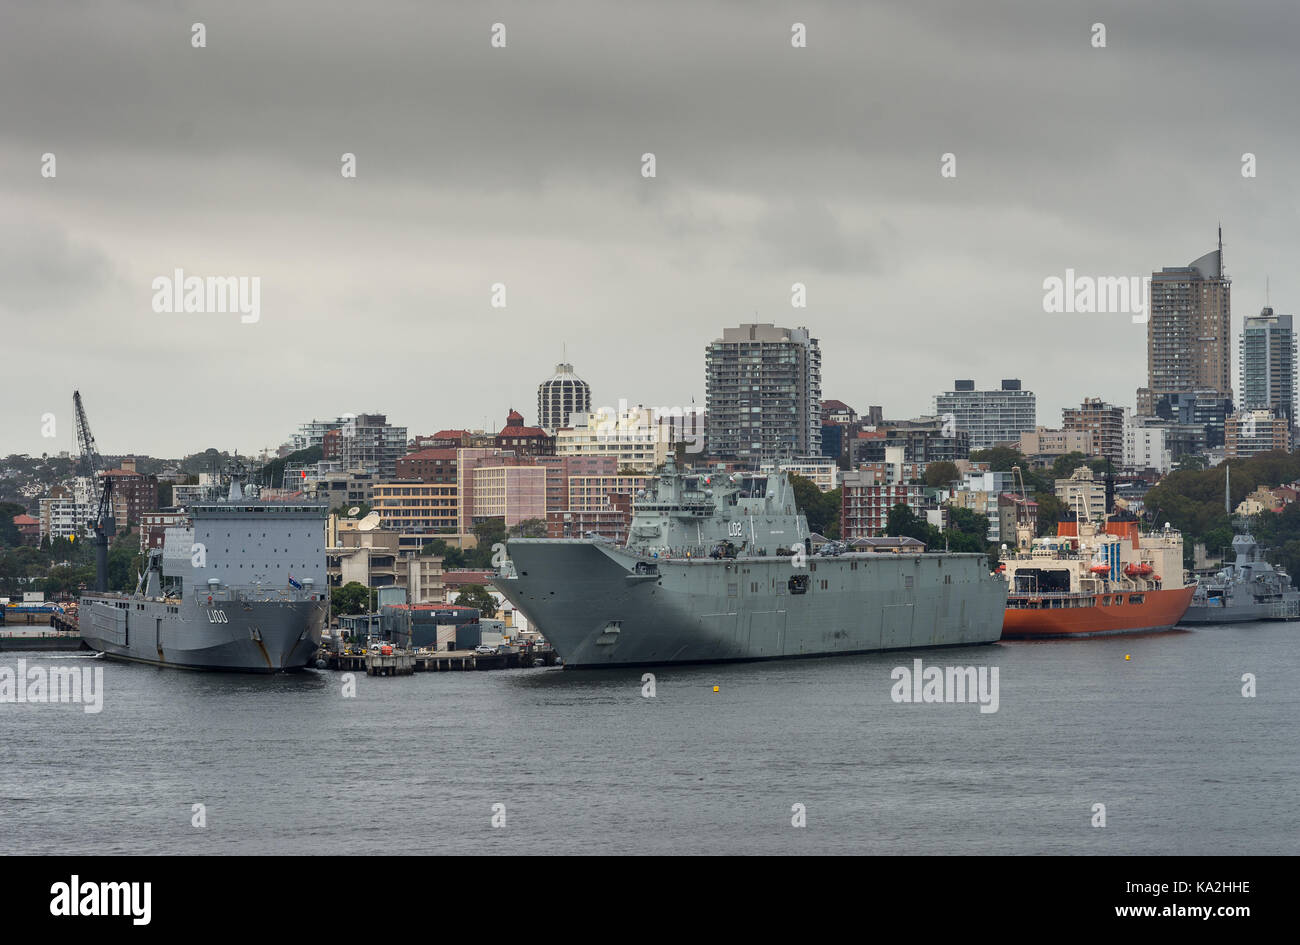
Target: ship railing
[(1284, 610), (258, 595)]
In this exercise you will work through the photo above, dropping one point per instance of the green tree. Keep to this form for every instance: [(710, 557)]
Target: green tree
[(939, 475), (9, 534), (273, 472), (489, 532), (529, 528), (1063, 466), (478, 596), (1000, 458), (352, 598), (903, 522), (1050, 511), (822, 509)]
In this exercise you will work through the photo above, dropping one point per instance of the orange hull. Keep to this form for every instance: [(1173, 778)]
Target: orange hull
[(1137, 612)]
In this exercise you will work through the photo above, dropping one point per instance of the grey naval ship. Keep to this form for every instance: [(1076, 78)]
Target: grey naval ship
[(707, 574), (1248, 589), (242, 588)]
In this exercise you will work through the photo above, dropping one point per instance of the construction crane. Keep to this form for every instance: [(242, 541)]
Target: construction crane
[(102, 525)]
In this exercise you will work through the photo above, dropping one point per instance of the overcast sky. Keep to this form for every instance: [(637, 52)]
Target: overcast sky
[(478, 165)]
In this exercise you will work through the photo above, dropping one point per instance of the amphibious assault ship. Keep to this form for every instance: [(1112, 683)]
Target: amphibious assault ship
[(241, 588), (717, 568)]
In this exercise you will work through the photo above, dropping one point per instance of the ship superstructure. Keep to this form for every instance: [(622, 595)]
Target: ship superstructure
[(716, 567)]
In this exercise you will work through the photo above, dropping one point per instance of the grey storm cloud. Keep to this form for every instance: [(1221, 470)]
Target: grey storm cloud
[(522, 165)]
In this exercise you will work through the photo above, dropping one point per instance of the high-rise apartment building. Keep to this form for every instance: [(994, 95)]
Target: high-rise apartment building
[(1268, 364), (763, 385), (1189, 330), (989, 416)]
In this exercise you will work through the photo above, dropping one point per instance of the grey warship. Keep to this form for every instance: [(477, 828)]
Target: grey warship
[(242, 588), (1248, 589), (707, 575)]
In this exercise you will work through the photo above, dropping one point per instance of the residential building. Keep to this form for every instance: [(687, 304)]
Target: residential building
[(509, 488), (631, 436), (61, 515), (837, 412), (524, 440), (981, 492), (924, 440), (1013, 509), (312, 433), (1189, 329), (610, 521), (410, 506), (1083, 492), (990, 417), (1204, 408), (428, 465), (1044, 444), (763, 386), (1268, 364), (29, 528), (1146, 444), (821, 470), (368, 442), (865, 503), (1105, 422), (1255, 431), (560, 396), (133, 493), (154, 525)]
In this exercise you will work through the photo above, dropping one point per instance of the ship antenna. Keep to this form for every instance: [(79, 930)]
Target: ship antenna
[(1227, 489)]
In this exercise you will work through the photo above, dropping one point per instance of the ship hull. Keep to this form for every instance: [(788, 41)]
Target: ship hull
[(1242, 613), (596, 611), (1157, 610), (225, 636)]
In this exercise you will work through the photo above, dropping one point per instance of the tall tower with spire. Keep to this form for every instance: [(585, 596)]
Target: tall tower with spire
[(1189, 330)]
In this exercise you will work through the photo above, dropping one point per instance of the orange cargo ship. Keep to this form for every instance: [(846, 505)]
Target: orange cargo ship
[(1086, 582)]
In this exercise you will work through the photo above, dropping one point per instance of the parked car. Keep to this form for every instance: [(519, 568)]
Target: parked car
[(485, 650)]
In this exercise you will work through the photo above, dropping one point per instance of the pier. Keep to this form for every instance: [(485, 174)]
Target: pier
[(39, 638), (405, 662)]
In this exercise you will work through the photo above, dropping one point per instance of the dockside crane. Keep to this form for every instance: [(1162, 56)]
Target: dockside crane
[(102, 524)]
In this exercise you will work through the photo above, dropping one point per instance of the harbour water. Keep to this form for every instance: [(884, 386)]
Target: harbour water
[(583, 762)]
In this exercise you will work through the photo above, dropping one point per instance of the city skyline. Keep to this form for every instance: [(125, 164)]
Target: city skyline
[(225, 161)]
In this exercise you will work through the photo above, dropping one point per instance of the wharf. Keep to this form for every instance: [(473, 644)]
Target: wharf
[(405, 662), (39, 638)]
